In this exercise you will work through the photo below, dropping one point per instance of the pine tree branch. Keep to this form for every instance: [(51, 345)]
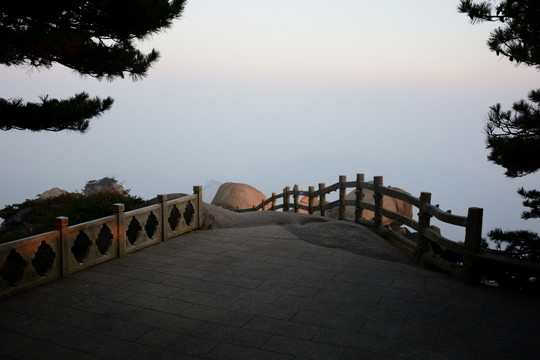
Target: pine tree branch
[(52, 114)]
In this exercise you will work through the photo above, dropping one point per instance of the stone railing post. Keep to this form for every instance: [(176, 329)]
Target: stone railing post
[(359, 211), (197, 190), (342, 195), (118, 210), (61, 225), (286, 199), (322, 199), (378, 199), (162, 199), (473, 240), (424, 220), (310, 200)]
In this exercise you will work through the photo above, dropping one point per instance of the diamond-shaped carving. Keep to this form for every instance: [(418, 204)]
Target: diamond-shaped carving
[(133, 231), (81, 247), (44, 259), (188, 213), (174, 218), (151, 225), (13, 268), (103, 241)]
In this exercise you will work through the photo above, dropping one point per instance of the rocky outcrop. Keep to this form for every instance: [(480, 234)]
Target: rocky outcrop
[(235, 196), (103, 185), (52, 193)]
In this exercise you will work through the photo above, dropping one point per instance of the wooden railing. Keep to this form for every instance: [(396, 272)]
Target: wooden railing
[(35, 260), (461, 258)]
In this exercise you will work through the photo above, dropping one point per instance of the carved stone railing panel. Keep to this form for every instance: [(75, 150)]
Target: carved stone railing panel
[(140, 224), (183, 215), (92, 243), (29, 262)]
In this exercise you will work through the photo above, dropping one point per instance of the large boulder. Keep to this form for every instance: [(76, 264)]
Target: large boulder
[(395, 205), (234, 196)]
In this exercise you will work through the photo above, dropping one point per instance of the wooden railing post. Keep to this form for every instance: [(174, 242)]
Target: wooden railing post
[(310, 200), (342, 195), (473, 240), (286, 199), (423, 223), (359, 211), (118, 210), (164, 229), (273, 201), (197, 190), (322, 199), (61, 225), (295, 198), (378, 198)]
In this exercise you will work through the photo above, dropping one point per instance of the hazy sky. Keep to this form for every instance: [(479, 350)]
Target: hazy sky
[(243, 84)]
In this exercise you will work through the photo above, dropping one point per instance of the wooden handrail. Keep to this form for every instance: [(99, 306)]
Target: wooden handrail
[(469, 248)]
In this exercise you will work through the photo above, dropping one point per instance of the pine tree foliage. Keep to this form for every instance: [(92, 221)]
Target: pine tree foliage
[(513, 136), (519, 38), (94, 38)]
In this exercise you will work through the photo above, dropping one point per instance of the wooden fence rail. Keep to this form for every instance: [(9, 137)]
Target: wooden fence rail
[(427, 248)]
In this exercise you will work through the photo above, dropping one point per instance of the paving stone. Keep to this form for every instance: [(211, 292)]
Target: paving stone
[(204, 298), (222, 268), (444, 324), (332, 284), (108, 308), (192, 284), (386, 292), (215, 315), (412, 307), (502, 348), (357, 354), (269, 310), (288, 289), (192, 345), (349, 339), (258, 265), (328, 320), (303, 348), (108, 292), (12, 343), (413, 350), (110, 347), (236, 352), (242, 281), (370, 300), (42, 350), (282, 327), (171, 355), (232, 334), (271, 275), (247, 294), (305, 303), (215, 258), (372, 313), (158, 303), (166, 321), (158, 338)]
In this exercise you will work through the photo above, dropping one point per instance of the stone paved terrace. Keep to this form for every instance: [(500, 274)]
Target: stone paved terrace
[(261, 293)]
